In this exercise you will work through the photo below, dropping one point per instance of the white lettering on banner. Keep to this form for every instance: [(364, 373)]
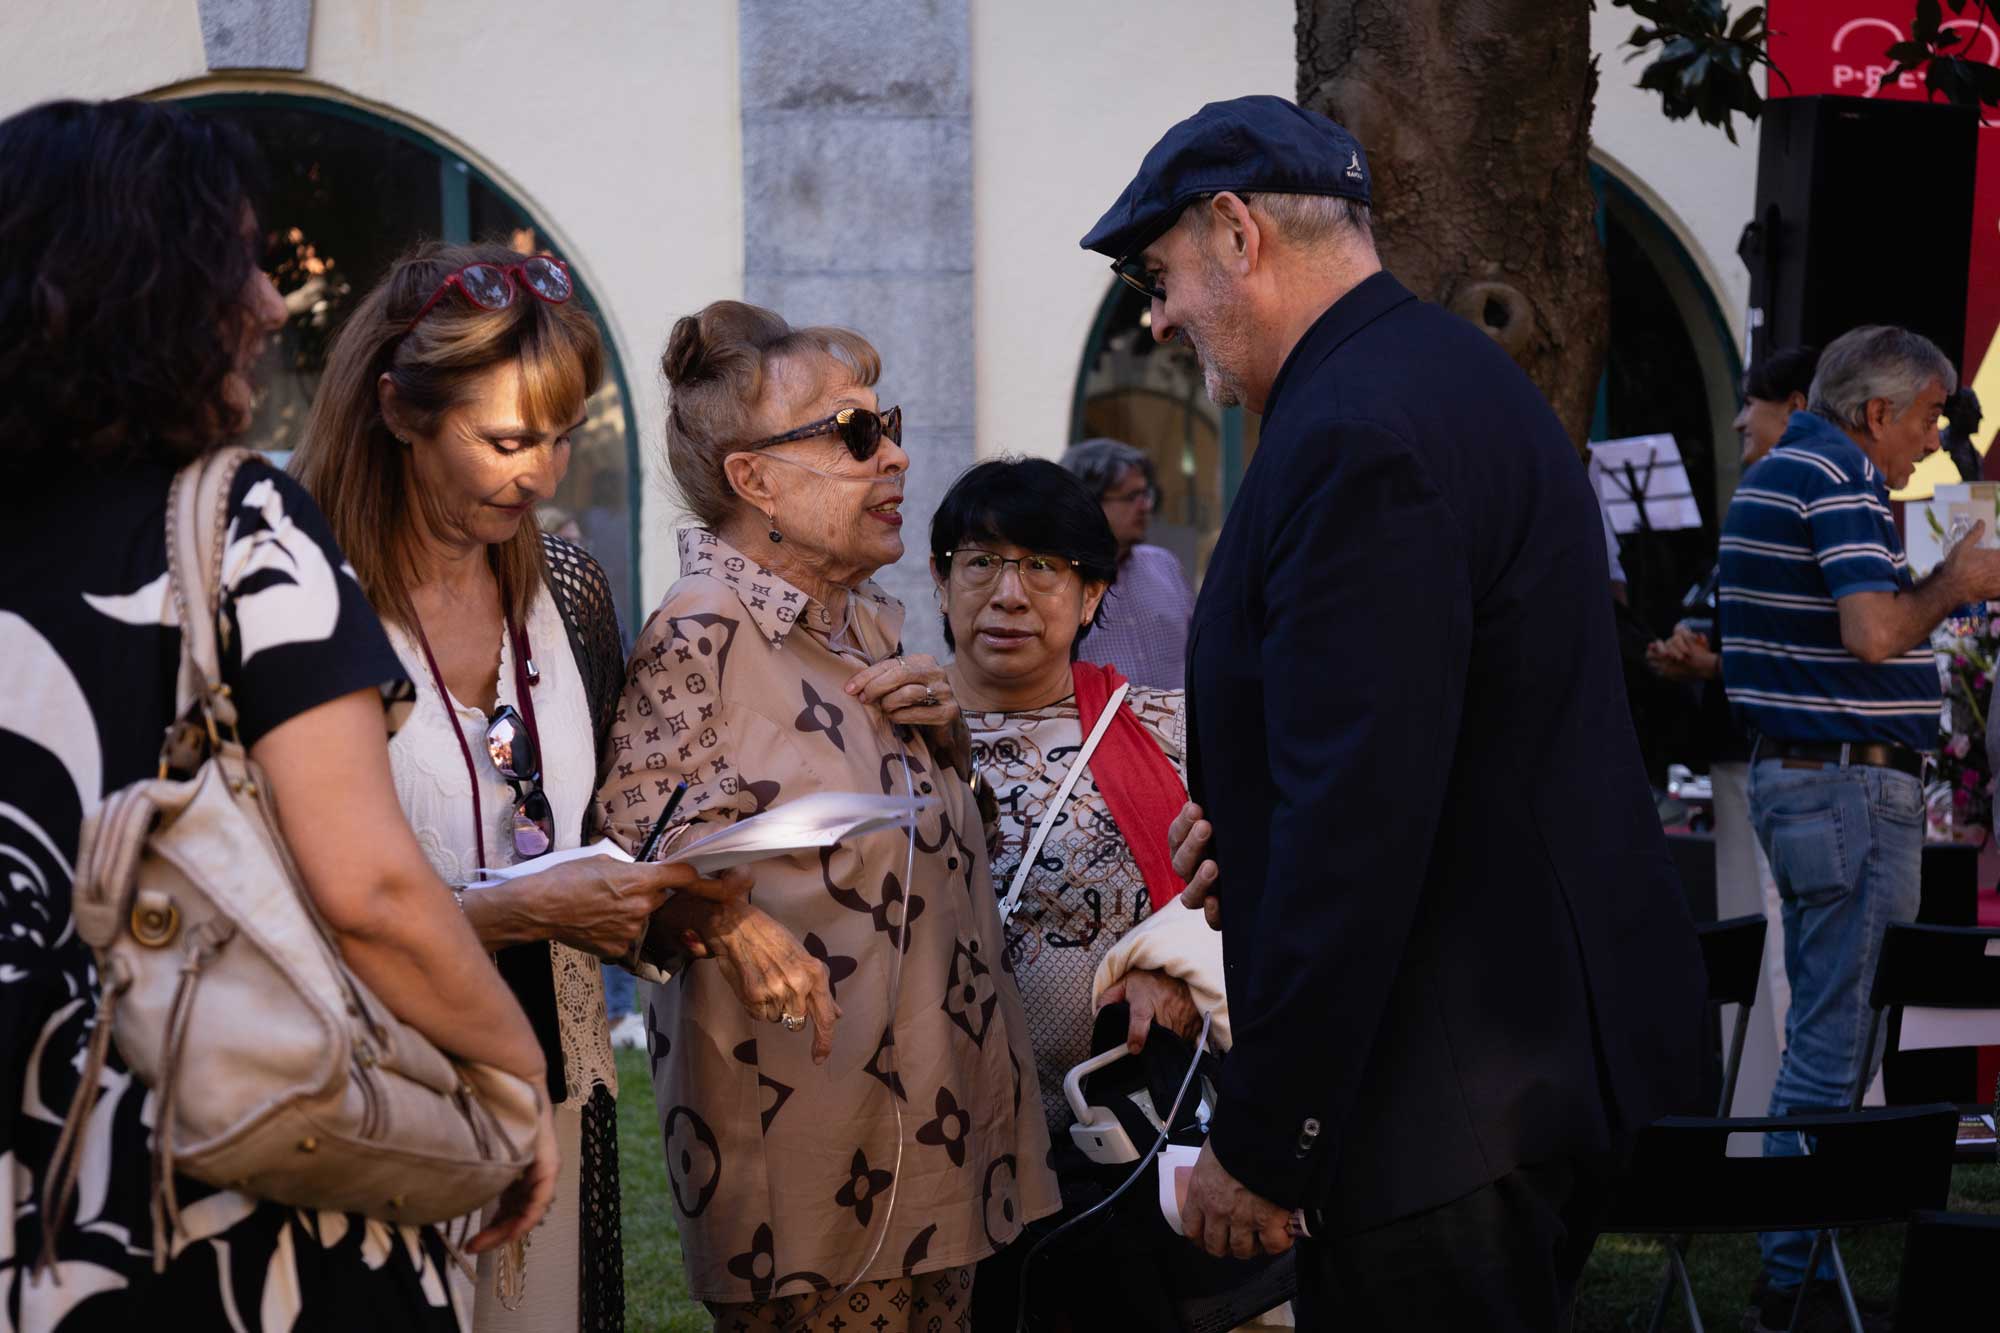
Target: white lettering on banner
[(1870, 77)]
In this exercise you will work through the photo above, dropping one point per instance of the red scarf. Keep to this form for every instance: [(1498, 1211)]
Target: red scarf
[(1137, 780)]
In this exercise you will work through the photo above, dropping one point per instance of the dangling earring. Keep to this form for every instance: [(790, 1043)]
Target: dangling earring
[(775, 535)]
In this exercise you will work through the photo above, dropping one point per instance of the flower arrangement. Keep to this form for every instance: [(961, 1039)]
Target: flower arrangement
[(1967, 648)]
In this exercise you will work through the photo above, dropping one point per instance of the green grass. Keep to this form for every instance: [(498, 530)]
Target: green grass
[(656, 1295), (1616, 1294), (1624, 1271)]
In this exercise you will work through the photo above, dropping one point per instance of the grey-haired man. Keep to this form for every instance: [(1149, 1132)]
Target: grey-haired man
[(1450, 1016), (1826, 656)]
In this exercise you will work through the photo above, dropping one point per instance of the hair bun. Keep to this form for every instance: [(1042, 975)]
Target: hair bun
[(686, 352)]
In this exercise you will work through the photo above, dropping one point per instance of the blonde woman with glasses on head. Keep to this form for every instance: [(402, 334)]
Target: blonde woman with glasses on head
[(443, 422)]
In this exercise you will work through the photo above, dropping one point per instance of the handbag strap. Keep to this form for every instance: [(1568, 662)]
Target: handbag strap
[(1076, 767), (197, 525), (197, 531)]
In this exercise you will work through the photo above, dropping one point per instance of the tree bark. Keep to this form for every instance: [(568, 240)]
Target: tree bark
[(1475, 115)]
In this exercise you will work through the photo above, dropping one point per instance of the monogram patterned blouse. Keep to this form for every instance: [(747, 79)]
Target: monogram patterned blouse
[(1085, 891), (786, 1174)]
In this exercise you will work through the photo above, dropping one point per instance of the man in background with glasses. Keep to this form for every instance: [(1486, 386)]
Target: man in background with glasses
[(1144, 624)]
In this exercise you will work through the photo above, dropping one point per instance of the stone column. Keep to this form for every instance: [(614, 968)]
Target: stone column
[(255, 34), (857, 210)]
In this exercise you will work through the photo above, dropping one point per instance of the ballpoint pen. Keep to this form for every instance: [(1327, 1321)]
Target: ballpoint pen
[(660, 825)]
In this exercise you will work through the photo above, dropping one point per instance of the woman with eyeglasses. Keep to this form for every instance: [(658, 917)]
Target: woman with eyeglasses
[(1144, 629), (132, 316), (1022, 556), (826, 1175), (444, 419)]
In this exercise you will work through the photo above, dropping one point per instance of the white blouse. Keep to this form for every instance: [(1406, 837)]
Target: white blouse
[(429, 770)]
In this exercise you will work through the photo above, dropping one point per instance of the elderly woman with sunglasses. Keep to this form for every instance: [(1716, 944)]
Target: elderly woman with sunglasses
[(443, 420), (1086, 772), (826, 1175)]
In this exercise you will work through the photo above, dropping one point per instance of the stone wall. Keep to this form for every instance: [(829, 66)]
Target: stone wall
[(857, 210)]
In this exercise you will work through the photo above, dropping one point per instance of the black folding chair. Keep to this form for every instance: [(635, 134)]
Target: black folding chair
[(1948, 1263), (1928, 973), (1864, 1168), (1734, 953), (1954, 968)]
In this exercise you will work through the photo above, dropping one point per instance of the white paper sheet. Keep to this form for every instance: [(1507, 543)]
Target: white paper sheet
[(1659, 475), (1936, 1029), (823, 819), (501, 874), (1176, 1162)]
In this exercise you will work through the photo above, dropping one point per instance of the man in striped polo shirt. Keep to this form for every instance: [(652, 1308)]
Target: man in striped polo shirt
[(1827, 660)]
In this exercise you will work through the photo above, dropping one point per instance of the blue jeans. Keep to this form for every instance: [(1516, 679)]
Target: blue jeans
[(620, 992), (1846, 847)]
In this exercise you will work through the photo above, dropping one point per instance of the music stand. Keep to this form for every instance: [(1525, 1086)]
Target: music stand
[(1643, 485)]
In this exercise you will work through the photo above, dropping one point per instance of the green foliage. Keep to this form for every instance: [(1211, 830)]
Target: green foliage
[(1707, 61), (1948, 73)]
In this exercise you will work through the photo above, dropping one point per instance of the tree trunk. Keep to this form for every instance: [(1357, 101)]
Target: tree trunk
[(1476, 118)]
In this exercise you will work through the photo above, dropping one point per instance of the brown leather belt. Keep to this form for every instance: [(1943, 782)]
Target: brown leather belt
[(1839, 754)]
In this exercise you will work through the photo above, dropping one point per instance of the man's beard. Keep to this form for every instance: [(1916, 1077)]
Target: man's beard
[(1221, 347), (1221, 384)]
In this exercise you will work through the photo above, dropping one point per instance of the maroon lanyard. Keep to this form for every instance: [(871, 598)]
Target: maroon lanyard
[(524, 680)]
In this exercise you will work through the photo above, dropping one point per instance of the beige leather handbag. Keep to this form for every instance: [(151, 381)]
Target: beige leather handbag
[(275, 1071)]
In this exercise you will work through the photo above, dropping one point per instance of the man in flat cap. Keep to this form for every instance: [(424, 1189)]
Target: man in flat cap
[(1461, 972)]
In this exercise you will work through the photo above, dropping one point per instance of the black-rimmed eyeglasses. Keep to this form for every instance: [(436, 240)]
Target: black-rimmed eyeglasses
[(1131, 271)]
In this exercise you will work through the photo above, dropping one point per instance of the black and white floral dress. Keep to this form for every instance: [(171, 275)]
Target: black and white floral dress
[(89, 646)]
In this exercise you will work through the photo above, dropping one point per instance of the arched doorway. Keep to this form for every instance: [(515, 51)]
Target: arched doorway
[(1671, 368), (351, 190)]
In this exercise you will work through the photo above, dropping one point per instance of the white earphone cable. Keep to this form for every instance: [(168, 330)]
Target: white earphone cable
[(901, 945)]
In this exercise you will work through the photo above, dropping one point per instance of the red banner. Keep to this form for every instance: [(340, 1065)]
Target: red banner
[(1836, 46)]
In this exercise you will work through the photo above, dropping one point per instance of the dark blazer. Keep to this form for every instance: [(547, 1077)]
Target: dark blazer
[(1453, 938)]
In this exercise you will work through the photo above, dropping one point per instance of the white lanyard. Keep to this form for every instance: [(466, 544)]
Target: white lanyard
[(1013, 898)]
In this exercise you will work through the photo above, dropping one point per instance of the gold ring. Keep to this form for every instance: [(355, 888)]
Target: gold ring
[(793, 1022)]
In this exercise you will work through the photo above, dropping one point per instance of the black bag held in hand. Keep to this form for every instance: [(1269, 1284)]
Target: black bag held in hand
[(1126, 1259)]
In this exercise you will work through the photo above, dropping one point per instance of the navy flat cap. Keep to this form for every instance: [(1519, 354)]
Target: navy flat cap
[(1245, 145)]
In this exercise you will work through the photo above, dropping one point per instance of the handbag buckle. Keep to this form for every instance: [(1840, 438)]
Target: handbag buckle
[(155, 919)]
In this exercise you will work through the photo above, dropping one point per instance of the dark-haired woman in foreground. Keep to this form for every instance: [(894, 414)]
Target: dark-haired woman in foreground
[(131, 314), (1022, 555)]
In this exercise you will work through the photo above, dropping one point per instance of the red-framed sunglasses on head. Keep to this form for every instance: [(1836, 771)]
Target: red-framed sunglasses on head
[(494, 286)]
